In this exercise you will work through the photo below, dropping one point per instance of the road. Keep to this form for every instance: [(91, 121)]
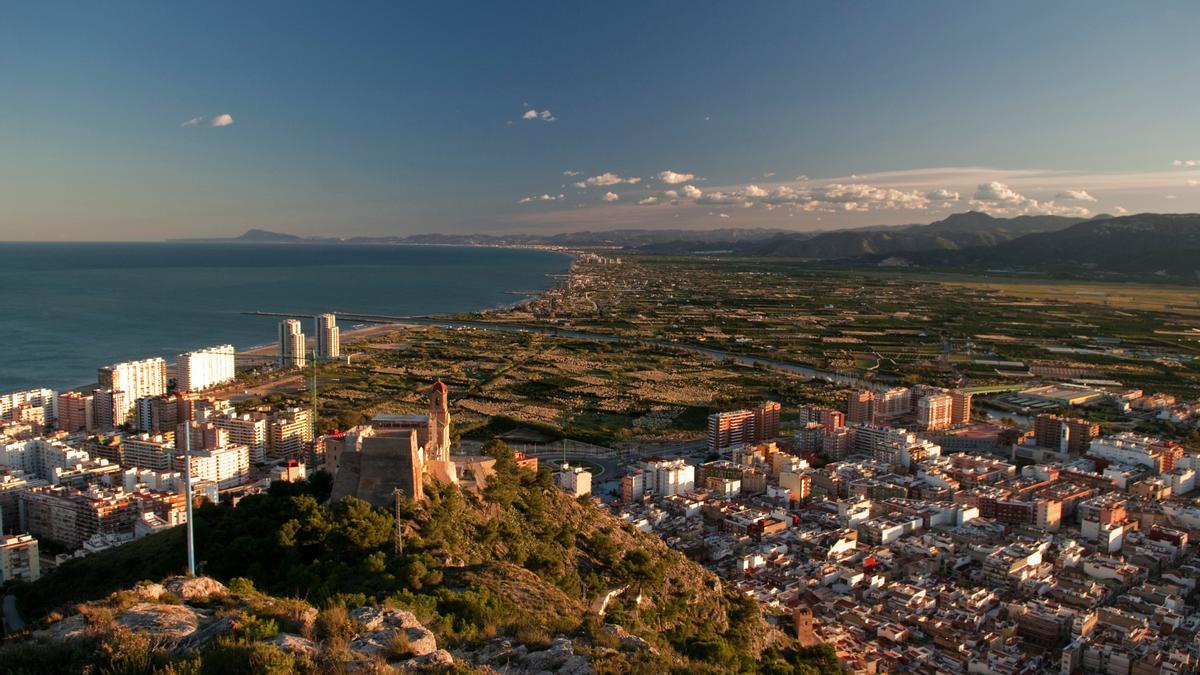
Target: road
[(12, 618)]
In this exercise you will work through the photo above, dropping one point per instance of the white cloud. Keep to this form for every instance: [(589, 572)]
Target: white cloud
[(691, 191), (754, 191), (606, 179), (533, 114), (1192, 182), (997, 198), (540, 198), (1075, 196), (222, 120), (568, 172), (722, 215), (1120, 210), (1186, 162), (942, 195), (674, 178), (671, 194), (611, 196), (717, 197), (768, 174), (647, 201)]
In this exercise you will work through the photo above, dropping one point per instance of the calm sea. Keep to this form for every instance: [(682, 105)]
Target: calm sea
[(67, 309)]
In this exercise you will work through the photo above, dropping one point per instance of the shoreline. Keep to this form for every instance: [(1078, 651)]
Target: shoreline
[(358, 334)]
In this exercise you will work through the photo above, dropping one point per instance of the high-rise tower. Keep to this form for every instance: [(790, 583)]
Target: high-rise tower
[(328, 337), (291, 344)]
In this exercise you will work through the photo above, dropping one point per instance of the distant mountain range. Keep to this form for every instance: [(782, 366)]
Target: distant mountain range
[(1148, 246)]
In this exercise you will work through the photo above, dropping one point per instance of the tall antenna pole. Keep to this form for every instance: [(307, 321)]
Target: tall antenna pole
[(315, 430), (187, 495)]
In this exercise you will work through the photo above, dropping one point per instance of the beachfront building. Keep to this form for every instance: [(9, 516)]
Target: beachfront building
[(328, 338), (291, 344), (13, 403), (135, 379), (204, 368)]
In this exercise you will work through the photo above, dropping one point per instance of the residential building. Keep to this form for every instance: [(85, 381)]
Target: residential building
[(1066, 434), (205, 368), (935, 412), (157, 414), (246, 429), (860, 408), (1129, 448), (227, 466), (75, 412), (111, 408), (576, 480), (42, 399), (68, 517), (19, 559), (727, 429), (960, 411), (659, 476), (291, 344), (137, 379), (328, 337), (289, 432), (147, 452)]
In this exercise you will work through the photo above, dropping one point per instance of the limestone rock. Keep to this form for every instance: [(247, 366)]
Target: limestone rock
[(195, 589), (553, 658), (435, 661), (166, 622), (382, 626), (150, 592), (629, 642), (74, 626), (296, 644)]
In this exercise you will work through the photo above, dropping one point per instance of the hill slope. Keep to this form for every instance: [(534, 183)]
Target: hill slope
[(957, 231), (523, 561), (1146, 245)]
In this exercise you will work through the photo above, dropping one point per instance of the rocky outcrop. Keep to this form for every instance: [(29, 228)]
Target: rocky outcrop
[(72, 627), (628, 641), (296, 644), (391, 632), (195, 589), (170, 623), (503, 655)]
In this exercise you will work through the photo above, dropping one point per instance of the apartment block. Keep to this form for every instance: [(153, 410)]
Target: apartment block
[(328, 337), (289, 432), (19, 558), (75, 412), (43, 399), (205, 368), (291, 350), (727, 429)]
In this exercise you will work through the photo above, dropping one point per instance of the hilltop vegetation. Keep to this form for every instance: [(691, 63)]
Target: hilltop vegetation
[(523, 561)]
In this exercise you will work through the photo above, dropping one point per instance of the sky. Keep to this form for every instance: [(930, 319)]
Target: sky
[(147, 120)]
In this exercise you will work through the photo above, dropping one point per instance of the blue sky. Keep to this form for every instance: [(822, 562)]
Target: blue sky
[(377, 118)]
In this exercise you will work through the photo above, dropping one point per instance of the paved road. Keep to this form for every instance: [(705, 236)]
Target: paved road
[(12, 618)]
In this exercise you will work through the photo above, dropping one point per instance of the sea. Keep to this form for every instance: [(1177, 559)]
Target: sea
[(67, 309)]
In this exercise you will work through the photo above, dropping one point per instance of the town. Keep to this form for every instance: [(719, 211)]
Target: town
[(901, 524)]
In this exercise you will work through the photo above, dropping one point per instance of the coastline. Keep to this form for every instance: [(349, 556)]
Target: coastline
[(354, 335)]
